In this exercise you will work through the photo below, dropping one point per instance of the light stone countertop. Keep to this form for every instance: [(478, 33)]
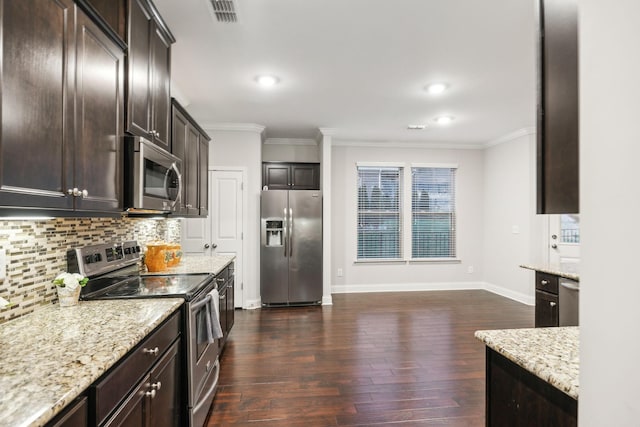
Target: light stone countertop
[(551, 354), (192, 264), (49, 357), (566, 270)]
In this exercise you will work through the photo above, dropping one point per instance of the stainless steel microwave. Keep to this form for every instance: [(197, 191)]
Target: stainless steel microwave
[(153, 180)]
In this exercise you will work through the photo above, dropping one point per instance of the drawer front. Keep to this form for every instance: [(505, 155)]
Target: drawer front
[(112, 389), (547, 282)]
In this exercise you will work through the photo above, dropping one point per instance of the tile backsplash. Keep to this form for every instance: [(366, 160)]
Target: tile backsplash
[(36, 252)]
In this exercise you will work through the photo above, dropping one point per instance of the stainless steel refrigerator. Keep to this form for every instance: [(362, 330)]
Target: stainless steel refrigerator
[(291, 247)]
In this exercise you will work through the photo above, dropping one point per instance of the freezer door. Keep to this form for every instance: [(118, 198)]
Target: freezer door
[(305, 246), (274, 263)]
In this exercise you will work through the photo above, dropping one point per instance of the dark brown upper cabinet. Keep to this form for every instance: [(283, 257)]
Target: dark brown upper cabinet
[(291, 176), (558, 113), (110, 14), (62, 123), (149, 68), (191, 144)]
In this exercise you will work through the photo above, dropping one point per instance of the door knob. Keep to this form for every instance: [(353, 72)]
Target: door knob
[(554, 246), (214, 246), (554, 237), (206, 246)]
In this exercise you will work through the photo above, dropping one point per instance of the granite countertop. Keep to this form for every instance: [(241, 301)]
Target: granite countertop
[(551, 354), (192, 264), (569, 270), (49, 357)]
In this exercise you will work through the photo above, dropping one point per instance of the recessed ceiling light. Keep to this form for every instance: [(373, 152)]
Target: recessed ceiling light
[(436, 88), (416, 127), (444, 120), (267, 81)]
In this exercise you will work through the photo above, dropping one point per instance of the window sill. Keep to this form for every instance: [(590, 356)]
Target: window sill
[(410, 261)]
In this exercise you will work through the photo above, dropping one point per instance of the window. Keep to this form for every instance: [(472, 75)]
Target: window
[(569, 228), (425, 199), (379, 212), (433, 212)]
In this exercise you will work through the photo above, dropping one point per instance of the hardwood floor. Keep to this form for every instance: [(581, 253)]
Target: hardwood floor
[(405, 358)]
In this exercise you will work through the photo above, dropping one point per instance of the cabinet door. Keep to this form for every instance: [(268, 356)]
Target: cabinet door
[(276, 176), (37, 74), (179, 126), (305, 177), (75, 415), (139, 77), (160, 94), (546, 310), (231, 313), (165, 380), (132, 412), (203, 178), (99, 119), (191, 173), (558, 172), (113, 12)]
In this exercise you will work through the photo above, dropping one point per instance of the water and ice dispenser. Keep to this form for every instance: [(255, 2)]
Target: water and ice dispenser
[(275, 232)]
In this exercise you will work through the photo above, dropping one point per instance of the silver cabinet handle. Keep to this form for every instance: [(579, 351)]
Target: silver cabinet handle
[(72, 191), (84, 193), (153, 352), (156, 386), (151, 394), (552, 304), (189, 206), (544, 282), (220, 279)]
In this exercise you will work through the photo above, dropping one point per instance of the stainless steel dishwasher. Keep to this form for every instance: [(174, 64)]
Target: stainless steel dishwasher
[(568, 300)]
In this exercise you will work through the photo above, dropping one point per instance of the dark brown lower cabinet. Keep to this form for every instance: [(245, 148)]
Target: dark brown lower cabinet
[(516, 397), (546, 310), (75, 415), (227, 303)]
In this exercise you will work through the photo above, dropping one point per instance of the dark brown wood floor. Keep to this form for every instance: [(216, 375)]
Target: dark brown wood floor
[(370, 359)]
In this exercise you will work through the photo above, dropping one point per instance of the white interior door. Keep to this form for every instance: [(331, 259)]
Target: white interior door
[(226, 221), (564, 239)]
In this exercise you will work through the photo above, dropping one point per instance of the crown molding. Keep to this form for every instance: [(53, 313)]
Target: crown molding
[(408, 144), (291, 141), (510, 137), (234, 127), (327, 131)]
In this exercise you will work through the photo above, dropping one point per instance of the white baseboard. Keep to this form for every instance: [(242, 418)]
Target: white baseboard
[(405, 287), (508, 293), (253, 304), (441, 286), (327, 300)]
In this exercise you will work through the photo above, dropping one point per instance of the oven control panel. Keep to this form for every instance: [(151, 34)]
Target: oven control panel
[(103, 258)]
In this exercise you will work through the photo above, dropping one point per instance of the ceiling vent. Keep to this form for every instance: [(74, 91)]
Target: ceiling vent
[(224, 11)]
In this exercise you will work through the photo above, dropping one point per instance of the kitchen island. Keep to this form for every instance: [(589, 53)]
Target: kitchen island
[(49, 357), (532, 376)]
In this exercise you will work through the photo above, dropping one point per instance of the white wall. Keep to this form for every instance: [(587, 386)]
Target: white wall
[(609, 208), (242, 148), (509, 202), (413, 276), (290, 152)]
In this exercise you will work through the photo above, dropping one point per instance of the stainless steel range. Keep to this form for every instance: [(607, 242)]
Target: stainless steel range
[(113, 273)]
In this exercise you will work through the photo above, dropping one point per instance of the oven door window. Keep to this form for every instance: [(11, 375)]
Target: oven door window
[(159, 181), (201, 331)]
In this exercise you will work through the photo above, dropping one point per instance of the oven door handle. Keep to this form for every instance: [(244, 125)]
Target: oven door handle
[(197, 305), (211, 390)]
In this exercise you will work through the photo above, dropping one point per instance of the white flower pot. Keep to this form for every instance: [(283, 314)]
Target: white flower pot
[(68, 297)]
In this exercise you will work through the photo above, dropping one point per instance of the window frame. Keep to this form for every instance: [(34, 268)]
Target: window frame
[(406, 214)]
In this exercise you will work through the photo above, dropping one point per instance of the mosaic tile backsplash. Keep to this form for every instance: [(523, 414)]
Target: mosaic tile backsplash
[(36, 252)]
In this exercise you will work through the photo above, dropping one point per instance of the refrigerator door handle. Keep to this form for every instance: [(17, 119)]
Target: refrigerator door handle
[(290, 232), (284, 231)]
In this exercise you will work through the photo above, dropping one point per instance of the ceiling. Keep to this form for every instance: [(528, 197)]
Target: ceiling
[(359, 67)]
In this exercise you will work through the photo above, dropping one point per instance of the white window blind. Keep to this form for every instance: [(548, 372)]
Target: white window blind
[(433, 212), (379, 212)]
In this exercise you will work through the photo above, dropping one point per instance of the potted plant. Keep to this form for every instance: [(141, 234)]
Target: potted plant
[(68, 286)]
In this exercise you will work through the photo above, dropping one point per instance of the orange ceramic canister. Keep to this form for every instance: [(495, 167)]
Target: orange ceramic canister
[(174, 251), (156, 258)]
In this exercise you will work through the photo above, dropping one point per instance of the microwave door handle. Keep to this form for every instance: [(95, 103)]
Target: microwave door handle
[(179, 177)]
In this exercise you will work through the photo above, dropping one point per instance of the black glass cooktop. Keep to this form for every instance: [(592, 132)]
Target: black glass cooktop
[(178, 286)]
